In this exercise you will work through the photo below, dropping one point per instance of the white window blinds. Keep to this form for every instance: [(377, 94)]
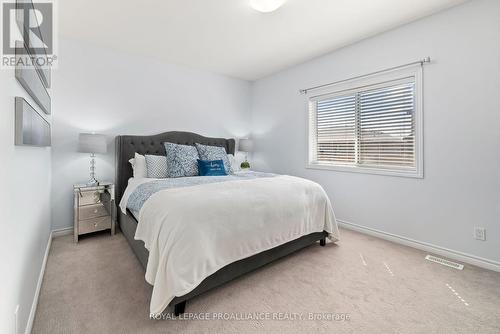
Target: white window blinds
[(369, 128), (336, 129)]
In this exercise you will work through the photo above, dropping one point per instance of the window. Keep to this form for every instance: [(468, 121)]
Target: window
[(371, 125)]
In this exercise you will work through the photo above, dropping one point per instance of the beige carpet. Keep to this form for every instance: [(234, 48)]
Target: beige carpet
[(97, 286)]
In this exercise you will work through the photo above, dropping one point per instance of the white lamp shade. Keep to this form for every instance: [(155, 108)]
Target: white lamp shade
[(245, 145), (266, 6), (92, 143)]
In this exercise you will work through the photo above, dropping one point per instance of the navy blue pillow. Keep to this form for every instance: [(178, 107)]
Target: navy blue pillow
[(211, 167)]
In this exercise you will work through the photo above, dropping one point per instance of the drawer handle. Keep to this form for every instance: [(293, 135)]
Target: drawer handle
[(95, 224)]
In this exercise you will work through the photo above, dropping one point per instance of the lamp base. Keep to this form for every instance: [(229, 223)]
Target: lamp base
[(93, 181)]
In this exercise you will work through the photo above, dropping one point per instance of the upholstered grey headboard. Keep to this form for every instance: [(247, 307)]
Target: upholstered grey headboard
[(126, 146)]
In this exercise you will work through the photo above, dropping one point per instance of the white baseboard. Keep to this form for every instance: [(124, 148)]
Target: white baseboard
[(53, 234), (31, 318), (449, 253), (62, 231)]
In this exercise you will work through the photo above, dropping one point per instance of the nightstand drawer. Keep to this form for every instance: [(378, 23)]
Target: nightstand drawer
[(94, 225), (89, 197), (92, 211)]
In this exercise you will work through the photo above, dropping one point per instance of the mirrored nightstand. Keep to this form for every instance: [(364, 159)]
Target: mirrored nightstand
[(94, 208)]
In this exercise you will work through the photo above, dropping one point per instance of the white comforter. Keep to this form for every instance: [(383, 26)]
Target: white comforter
[(192, 232)]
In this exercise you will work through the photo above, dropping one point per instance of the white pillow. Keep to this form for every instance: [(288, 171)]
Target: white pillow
[(139, 166)]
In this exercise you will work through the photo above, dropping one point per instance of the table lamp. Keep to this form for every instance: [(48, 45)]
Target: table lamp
[(93, 144)]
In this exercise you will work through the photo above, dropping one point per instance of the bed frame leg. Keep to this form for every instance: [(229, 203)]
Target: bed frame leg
[(322, 242), (179, 308)]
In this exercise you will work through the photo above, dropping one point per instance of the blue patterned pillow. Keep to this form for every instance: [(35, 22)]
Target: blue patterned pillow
[(211, 168), (215, 153), (156, 166), (182, 160)]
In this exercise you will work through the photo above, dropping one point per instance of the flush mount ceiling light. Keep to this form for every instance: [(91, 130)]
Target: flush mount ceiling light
[(266, 6)]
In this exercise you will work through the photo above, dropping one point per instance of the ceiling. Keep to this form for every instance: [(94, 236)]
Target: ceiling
[(227, 36)]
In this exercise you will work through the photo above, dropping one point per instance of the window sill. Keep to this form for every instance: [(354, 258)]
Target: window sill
[(367, 170)]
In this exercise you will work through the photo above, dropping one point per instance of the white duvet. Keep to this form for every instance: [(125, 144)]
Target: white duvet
[(192, 232)]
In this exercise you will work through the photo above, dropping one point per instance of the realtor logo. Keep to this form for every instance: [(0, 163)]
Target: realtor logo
[(28, 29)]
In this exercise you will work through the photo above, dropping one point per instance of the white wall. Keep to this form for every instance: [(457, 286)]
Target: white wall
[(25, 208), (100, 90), (461, 188)]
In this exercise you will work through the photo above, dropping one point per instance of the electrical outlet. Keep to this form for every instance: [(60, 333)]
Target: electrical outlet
[(480, 233), (16, 320)]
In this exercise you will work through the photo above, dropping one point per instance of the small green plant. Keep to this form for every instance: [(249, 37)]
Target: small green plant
[(245, 165)]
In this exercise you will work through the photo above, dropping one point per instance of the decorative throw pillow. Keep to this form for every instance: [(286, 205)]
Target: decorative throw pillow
[(211, 168), (156, 166), (214, 153), (181, 160), (139, 166)]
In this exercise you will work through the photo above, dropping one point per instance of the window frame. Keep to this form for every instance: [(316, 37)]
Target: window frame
[(355, 85)]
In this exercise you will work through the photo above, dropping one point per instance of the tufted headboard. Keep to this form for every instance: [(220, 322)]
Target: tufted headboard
[(126, 146)]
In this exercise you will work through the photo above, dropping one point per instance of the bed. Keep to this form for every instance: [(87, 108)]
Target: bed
[(166, 227)]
